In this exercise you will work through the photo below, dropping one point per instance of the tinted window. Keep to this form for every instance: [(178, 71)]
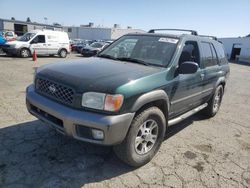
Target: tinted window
[(215, 59), (207, 55), (39, 39), (190, 52), (221, 53)]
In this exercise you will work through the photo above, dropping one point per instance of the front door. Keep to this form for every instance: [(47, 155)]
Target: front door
[(187, 89), (39, 45)]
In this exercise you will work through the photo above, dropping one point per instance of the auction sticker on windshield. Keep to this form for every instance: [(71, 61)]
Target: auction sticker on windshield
[(169, 40)]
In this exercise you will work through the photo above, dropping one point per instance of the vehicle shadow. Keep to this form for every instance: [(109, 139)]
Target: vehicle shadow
[(32, 154)]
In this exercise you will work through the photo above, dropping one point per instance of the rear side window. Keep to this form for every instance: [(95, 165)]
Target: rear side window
[(209, 56), (221, 53), (215, 58)]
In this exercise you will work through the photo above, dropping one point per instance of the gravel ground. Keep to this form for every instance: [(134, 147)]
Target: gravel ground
[(196, 153)]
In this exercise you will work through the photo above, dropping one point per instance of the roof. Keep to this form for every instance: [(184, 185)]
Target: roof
[(31, 23), (180, 36)]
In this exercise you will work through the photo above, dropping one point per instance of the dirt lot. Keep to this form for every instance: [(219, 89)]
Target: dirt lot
[(196, 152)]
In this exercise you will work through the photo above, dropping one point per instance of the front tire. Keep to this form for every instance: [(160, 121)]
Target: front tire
[(144, 138), (24, 53), (214, 103)]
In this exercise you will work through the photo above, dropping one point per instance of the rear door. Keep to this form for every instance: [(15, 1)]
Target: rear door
[(212, 70), (187, 90)]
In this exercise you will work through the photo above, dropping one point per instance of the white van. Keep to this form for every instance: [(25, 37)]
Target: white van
[(44, 42)]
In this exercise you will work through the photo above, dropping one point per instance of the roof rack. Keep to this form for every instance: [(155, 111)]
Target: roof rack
[(191, 31), (209, 36)]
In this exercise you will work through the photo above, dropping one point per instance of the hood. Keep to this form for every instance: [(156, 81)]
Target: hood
[(95, 74), (15, 42)]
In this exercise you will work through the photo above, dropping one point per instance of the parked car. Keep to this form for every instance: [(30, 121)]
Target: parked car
[(93, 49), (10, 35), (132, 91), (44, 42), (2, 42), (78, 46)]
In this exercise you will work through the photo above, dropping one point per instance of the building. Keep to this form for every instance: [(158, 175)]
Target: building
[(75, 32), (21, 27), (237, 48), (101, 33)]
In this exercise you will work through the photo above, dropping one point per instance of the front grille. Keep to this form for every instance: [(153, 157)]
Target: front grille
[(54, 90)]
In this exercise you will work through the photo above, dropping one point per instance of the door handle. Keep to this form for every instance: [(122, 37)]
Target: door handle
[(202, 75)]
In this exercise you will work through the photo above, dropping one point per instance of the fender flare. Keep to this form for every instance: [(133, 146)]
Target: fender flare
[(220, 80), (150, 97)]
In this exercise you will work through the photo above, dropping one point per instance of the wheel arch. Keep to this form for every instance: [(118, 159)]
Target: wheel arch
[(158, 98), (59, 50), (221, 81)]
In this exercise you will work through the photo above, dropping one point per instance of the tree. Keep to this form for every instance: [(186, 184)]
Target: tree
[(28, 19), (56, 24), (248, 35), (12, 18)]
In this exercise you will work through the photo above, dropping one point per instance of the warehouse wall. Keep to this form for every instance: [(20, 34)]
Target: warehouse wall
[(9, 26), (117, 32), (243, 43), (90, 33), (1, 25)]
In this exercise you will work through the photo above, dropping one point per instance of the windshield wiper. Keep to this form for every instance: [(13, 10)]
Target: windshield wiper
[(107, 56), (133, 60)]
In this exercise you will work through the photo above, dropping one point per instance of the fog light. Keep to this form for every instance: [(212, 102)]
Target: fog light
[(97, 134)]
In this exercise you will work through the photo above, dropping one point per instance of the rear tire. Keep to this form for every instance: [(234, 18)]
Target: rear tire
[(144, 138), (63, 53), (214, 103)]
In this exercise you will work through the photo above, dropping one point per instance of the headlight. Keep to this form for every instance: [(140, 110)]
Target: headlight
[(102, 101)]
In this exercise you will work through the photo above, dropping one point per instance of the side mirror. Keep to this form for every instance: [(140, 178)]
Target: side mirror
[(188, 67)]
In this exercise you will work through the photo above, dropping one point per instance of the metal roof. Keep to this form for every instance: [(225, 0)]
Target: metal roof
[(31, 23)]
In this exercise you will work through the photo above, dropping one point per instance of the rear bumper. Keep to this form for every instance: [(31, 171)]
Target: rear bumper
[(77, 123)]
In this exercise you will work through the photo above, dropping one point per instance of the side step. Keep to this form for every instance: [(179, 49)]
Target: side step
[(186, 115)]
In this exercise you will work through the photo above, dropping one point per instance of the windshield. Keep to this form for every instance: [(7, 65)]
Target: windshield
[(27, 36), (153, 50), (96, 45)]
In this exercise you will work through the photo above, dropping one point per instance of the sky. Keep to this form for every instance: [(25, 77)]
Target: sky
[(221, 18)]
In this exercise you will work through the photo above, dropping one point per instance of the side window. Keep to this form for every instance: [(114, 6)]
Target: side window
[(39, 39), (215, 58), (207, 54), (221, 53), (190, 52)]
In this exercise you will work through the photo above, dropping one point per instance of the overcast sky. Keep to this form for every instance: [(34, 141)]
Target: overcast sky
[(222, 18)]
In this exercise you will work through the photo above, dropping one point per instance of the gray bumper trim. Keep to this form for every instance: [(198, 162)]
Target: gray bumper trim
[(115, 127)]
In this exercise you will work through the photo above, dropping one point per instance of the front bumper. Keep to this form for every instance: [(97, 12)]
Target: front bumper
[(12, 51), (74, 122)]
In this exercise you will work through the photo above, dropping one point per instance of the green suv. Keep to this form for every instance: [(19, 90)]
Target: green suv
[(132, 91)]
